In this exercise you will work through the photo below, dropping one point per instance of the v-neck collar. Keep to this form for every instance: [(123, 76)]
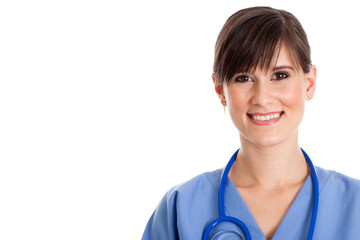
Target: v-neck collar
[(296, 217)]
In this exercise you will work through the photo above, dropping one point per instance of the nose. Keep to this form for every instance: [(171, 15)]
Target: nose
[(262, 94)]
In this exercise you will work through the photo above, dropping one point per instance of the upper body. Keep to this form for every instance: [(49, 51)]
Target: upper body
[(263, 76), (187, 209)]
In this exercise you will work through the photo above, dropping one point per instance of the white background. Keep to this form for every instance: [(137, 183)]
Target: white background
[(105, 105)]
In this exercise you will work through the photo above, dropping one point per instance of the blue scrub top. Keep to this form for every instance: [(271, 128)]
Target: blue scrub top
[(187, 209)]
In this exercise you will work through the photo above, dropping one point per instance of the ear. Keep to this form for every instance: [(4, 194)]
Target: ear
[(218, 89), (311, 82)]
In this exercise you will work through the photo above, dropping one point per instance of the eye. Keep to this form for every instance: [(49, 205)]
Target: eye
[(280, 76), (243, 78)]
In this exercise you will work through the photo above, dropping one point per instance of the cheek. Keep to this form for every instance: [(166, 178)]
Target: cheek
[(238, 105), (293, 97), (237, 100)]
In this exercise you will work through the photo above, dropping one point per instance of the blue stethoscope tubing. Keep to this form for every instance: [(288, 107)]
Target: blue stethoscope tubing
[(239, 223)]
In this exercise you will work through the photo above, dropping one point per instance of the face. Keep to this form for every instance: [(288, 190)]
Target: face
[(267, 106)]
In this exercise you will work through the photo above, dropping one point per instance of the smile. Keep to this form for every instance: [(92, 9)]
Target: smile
[(265, 119)]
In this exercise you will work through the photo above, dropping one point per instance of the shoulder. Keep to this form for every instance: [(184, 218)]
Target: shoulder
[(339, 206), (174, 215), (339, 182), (193, 191), (339, 192), (207, 181)]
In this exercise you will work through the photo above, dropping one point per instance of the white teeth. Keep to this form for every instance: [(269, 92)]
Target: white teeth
[(265, 118)]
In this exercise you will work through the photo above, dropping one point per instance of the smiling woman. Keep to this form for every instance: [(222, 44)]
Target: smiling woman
[(264, 97), (270, 189)]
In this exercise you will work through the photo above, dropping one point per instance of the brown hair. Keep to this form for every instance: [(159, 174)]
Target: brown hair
[(253, 36)]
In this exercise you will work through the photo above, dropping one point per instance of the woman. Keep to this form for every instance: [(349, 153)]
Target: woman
[(263, 75)]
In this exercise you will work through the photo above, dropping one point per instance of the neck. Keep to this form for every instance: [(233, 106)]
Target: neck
[(271, 168)]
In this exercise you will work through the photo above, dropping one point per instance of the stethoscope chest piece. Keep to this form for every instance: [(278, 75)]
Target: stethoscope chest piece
[(227, 235)]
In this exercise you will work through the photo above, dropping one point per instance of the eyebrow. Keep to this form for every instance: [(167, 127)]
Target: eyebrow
[(282, 67)]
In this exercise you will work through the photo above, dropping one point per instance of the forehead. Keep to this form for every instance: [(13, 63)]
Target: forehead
[(282, 57)]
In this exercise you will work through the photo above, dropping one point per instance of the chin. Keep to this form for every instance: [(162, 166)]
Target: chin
[(271, 139), (267, 142), (263, 140)]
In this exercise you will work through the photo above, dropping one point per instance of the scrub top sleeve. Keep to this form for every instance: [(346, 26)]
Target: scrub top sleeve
[(162, 224)]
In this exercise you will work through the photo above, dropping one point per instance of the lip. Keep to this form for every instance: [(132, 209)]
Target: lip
[(266, 122)]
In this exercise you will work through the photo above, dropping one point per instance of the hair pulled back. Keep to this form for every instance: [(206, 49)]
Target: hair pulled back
[(252, 37)]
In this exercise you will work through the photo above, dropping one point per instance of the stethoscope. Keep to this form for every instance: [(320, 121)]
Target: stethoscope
[(223, 218)]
